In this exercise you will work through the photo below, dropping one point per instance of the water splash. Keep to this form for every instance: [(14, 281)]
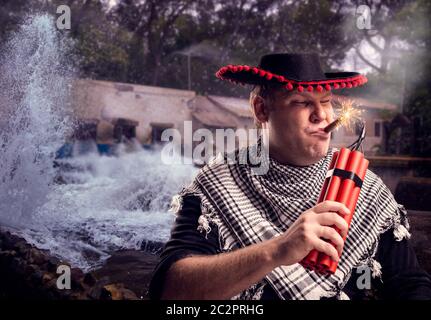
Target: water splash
[(34, 87), (86, 207), (107, 204)]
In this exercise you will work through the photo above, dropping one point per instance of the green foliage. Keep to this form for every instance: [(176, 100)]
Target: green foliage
[(102, 58)]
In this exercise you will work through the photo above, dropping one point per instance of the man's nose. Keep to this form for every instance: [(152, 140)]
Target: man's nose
[(318, 114)]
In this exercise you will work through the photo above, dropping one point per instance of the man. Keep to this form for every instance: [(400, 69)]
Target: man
[(242, 235)]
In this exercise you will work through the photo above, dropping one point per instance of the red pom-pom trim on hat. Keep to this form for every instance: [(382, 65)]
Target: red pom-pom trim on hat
[(317, 85)]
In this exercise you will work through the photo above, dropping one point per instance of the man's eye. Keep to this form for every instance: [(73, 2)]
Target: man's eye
[(325, 102), (300, 102)]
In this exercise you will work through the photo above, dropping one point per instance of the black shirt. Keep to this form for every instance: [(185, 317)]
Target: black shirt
[(402, 277)]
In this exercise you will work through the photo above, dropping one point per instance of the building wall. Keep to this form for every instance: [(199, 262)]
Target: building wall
[(107, 100)]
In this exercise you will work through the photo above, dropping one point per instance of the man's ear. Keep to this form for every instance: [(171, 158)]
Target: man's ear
[(260, 109)]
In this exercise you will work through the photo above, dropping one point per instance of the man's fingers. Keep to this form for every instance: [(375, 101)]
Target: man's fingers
[(332, 218), (326, 248), (333, 206), (332, 235)]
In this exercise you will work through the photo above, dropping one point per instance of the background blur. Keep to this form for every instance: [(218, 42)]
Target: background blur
[(83, 110), (180, 44)]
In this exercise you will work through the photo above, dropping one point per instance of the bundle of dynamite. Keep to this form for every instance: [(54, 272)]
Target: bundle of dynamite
[(343, 181)]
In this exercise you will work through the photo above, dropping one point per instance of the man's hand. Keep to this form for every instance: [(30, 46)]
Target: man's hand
[(309, 230), (227, 274)]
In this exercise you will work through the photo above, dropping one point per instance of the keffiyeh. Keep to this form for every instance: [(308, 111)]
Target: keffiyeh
[(250, 208)]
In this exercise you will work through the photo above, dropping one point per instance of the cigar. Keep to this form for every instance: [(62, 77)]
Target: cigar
[(334, 124)]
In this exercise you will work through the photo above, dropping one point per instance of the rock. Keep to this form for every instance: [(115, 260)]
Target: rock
[(36, 277), (52, 284), (133, 268), (89, 279), (28, 272), (8, 255), (129, 295), (118, 292), (22, 247), (30, 269), (77, 277), (36, 256), (18, 265), (76, 274), (52, 264), (8, 241), (47, 277), (99, 293)]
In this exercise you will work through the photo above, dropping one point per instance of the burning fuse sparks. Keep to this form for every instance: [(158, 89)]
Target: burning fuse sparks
[(348, 114)]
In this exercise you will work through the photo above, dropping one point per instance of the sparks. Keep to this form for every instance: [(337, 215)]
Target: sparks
[(348, 115)]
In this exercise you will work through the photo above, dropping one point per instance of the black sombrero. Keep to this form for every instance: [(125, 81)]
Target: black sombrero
[(300, 71)]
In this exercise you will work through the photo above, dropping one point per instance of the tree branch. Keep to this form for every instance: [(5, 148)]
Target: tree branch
[(361, 56), (372, 43)]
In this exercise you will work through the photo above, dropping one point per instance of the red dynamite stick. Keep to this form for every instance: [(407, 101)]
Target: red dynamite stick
[(344, 193), (351, 202), (341, 160), (311, 259), (332, 191), (334, 184)]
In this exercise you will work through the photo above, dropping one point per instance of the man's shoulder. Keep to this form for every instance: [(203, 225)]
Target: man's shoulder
[(372, 179)]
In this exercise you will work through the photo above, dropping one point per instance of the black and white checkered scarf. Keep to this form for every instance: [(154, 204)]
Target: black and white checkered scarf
[(251, 208)]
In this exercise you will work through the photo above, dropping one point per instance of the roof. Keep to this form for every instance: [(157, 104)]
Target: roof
[(240, 107), (210, 113), (110, 100), (138, 89)]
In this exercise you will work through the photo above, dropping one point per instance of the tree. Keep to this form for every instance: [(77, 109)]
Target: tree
[(152, 23), (387, 24)]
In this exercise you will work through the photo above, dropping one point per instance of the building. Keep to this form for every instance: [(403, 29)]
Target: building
[(155, 109)]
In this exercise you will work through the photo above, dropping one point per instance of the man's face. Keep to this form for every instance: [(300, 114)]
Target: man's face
[(296, 122)]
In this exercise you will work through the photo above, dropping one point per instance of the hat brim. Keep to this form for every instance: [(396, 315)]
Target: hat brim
[(241, 74)]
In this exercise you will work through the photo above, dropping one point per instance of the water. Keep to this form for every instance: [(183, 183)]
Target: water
[(102, 203), (34, 86), (107, 204)]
